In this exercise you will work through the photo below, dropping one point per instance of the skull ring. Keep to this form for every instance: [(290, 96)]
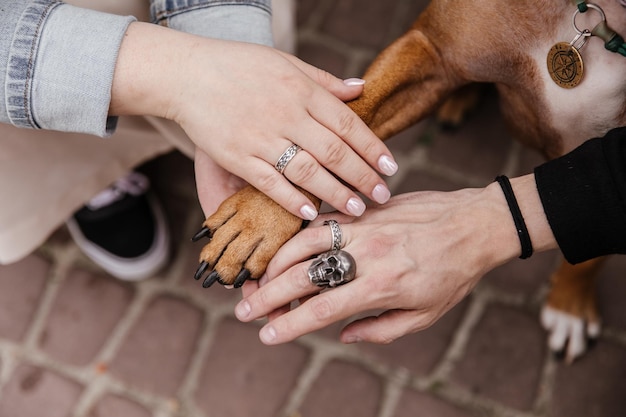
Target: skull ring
[(332, 268)]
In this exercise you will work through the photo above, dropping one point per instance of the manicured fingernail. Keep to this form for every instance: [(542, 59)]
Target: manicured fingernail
[(351, 82), (308, 212), (355, 207), (381, 194), (267, 334), (387, 165), (243, 310)]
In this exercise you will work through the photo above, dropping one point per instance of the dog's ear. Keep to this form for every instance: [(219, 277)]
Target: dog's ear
[(405, 83)]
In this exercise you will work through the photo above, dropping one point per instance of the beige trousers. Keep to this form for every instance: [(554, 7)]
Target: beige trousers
[(45, 176)]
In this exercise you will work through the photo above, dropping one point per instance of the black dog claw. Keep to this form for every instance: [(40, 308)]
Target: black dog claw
[(210, 280), (204, 232), (243, 276), (201, 270)]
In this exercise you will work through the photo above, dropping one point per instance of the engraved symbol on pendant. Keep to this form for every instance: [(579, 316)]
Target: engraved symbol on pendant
[(565, 65)]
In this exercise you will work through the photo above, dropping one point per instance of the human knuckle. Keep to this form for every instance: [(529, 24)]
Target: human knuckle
[(346, 123), (306, 170), (319, 233), (268, 182), (366, 179), (322, 308), (372, 147), (301, 285), (335, 153), (325, 77), (260, 299), (336, 195)]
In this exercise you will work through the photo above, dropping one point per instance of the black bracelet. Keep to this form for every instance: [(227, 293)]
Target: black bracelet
[(520, 224)]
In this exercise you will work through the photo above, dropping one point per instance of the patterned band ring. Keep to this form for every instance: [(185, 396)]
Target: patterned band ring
[(335, 231), (286, 157)]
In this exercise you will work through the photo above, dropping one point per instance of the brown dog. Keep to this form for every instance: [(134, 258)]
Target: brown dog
[(451, 45)]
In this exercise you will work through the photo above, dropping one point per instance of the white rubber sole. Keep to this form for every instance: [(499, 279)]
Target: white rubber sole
[(135, 269)]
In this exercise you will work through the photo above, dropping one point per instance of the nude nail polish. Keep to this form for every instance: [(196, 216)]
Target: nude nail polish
[(308, 212), (353, 82), (387, 165), (355, 207), (381, 194)]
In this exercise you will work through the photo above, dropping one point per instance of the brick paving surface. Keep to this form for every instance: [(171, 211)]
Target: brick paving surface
[(75, 342)]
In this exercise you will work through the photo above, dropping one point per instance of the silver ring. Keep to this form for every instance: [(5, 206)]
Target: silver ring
[(332, 268), (335, 231), (287, 156)]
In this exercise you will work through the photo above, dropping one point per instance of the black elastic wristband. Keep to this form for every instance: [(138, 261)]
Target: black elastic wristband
[(520, 224)]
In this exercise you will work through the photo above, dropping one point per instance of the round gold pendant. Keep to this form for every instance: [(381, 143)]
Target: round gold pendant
[(565, 65)]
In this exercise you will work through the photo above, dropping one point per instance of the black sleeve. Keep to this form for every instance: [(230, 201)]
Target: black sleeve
[(584, 197)]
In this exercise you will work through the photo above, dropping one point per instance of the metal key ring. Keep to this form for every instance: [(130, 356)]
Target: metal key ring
[(591, 6)]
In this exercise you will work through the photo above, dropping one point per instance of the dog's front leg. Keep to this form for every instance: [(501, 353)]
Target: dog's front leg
[(405, 83)]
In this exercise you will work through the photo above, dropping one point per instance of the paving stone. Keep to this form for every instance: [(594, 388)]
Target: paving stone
[(593, 386), (419, 180), (156, 354), (479, 147), (304, 10), (611, 292), (324, 58), (416, 404), (242, 377), (87, 309), (359, 23), (343, 390), (176, 193), (60, 237), (528, 160), (31, 390), (524, 275), (405, 141), (411, 9), (504, 358), (333, 331), (419, 352), (21, 287), (114, 406)]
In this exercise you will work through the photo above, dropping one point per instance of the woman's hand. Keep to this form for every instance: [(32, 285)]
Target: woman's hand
[(244, 105), (416, 257)]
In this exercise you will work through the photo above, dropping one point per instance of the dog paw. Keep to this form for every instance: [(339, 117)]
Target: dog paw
[(245, 232), (569, 336)]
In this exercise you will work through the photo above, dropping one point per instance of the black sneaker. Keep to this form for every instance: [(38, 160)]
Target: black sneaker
[(123, 229)]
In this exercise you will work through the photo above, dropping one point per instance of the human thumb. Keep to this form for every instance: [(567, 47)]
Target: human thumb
[(345, 90)]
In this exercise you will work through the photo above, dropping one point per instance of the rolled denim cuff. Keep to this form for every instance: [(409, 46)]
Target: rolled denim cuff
[(66, 85), (237, 20), (22, 49)]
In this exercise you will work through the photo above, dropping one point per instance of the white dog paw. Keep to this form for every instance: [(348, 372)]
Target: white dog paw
[(569, 335)]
